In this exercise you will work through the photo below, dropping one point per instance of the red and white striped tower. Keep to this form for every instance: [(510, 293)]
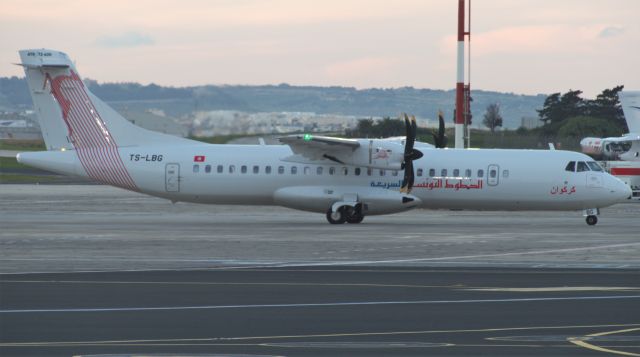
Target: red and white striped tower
[(460, 79)]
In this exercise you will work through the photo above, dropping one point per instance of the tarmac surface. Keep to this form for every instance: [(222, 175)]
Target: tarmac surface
[(365, 311), (90, 270), (48, 228)]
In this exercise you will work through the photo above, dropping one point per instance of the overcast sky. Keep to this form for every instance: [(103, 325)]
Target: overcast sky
[(523, 46)]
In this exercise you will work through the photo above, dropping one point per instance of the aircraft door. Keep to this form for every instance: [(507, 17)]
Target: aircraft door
[(493, 175), (172, 177)]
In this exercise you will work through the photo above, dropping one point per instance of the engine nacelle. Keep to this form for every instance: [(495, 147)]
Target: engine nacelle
[(373, 153), (320, 199)]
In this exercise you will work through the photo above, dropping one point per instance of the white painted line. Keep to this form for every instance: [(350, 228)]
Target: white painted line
[(415, 260), (557, 289), (239, 264), (355, 303)]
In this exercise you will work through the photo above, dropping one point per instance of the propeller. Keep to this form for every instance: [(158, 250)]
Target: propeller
[(410, 154), (439, 139)]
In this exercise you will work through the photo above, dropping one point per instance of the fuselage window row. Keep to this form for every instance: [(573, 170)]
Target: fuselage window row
[(582, 166)]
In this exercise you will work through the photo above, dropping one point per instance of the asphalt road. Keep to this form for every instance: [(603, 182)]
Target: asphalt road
[(323, 311)]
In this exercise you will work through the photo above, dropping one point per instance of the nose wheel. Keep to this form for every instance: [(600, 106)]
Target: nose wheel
[(592, 220)]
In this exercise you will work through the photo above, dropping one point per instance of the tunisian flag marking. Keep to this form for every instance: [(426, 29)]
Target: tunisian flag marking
[(198, 158)]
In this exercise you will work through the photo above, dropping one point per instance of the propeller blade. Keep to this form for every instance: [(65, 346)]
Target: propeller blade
[(413, 131), (440, 139), (407, 127), (410, 153), (407, 181)]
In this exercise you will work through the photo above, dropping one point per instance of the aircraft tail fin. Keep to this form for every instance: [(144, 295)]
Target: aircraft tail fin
[(630, 101), (70, 116)]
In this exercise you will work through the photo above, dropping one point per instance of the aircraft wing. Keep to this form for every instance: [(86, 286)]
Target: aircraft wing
[(314, 147), (628, 137)]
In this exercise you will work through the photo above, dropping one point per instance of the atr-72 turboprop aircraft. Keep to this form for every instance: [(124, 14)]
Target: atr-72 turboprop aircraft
[(346, 179)]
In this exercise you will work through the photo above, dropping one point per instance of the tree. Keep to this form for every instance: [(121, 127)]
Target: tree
[(492, 118), (559, 107), (583, 126), (549, 108), (607, 106)]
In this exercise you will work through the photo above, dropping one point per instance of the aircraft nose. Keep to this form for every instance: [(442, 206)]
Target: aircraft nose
[(620, 189)]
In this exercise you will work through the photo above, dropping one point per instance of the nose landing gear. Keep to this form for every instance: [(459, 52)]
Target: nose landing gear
[(592, 215)]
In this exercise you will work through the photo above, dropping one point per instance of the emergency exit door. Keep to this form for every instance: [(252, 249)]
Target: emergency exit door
[(493, 175), (172, 177)]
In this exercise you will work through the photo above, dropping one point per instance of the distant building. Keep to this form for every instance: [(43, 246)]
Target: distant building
[(530, 122), (19, 126)]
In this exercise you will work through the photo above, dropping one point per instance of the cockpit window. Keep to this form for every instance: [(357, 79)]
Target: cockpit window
[(582, 166), (594, 166), (571, 166)]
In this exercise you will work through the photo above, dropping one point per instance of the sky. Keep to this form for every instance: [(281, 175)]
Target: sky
[(523, 46)]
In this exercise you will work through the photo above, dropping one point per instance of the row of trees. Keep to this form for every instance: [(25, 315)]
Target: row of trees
[(563, 115), (568, 114)]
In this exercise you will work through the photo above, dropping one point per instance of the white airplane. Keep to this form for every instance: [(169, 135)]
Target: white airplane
[(346, 179), (624, 148)]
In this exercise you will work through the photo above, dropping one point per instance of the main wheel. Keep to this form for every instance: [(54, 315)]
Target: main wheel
[(592, 220), (354, 214), (337, 217)]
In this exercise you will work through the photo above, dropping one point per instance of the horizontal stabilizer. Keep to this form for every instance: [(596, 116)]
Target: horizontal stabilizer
[(43, 65)]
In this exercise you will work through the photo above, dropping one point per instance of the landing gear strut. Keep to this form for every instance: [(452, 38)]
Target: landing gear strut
[(592, 220)]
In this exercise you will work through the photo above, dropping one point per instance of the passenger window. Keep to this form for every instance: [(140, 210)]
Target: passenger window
[(443, 173), (493, 173), (220, 169), (369, 171), (419, 173), (456, 173), (345, 171), (243, 169), (256, 169), (467, 173), (332, 170), (571, 166), (280, 170), (196, 169), (505, 173), (357, 171), (381, 172), (432, 172), (267, 170), (394, 173), (319, 170), (582, 166), (594, 166), (307, 170), (207, 169), (480, 173), (232, 169), (294, 170)]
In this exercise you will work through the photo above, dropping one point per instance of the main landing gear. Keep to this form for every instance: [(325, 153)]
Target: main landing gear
[(592, 220), (344, 214)]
